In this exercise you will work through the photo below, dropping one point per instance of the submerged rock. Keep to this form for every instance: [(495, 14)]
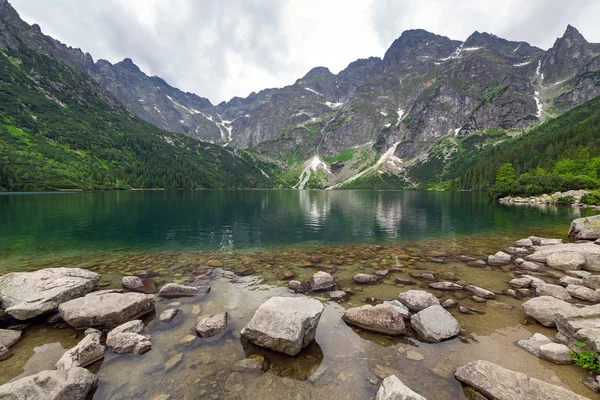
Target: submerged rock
[(365, 278), (499, 383), (402, 309), (212, 326), (167, 316), (173, 290), (72, 384), (30, 294), (284, 324), (417, 300), (252, 364), (586, 228), (338, 295), (382, 318), (322, 281), (128, 339), (445, 286), (435, 324), (476, 290), (105, 311), (87, 351), (544, 309), (392, 388)]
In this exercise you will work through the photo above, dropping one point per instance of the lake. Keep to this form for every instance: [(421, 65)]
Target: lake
[(259, 235)]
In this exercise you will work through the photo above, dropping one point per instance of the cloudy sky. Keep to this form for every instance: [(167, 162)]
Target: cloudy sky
[(220, 49)]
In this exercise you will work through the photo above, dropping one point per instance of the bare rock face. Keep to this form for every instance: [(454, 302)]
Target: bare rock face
[(128, 339), (499, 383), (27, 295), (382, 318), (393, 388), (107, 310), (212, 326), (322, 281), (417, 300), (435, 324), (72, 384), (284, 324), (87, 351), (586, 228), (544, 309)]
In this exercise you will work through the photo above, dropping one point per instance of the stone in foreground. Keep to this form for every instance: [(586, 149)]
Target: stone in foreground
[(544, 309), (27, 295), (212, 326), (393, 388), (128, 339), (498, 383), (87, 351), (382, 318), (556, 353), (284, 324), (556, 291), (435, 324), (586, 228), (105, 311), (72, 384), (417, 300), (322, 281)]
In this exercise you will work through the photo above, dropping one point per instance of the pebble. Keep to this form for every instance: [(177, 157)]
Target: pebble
[(413, 355)]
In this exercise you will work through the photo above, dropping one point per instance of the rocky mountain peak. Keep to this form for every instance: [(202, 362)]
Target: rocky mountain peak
[(318, 72), (128, 64), (419, 42), (572, 34)]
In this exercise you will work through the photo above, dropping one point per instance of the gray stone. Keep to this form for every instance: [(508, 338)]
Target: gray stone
[(5, 353), (252, 364), (538, 241), (476, 290), (338, 295), (382, 318), (569, 280), (499, 383), (533, 344), (499, 259), (284, 324), (519, 261), (392, 388), (128, 339), (8, 337), (544, 309), (27, 295), (524, 243), (131, 282), (586, 228), (167, 316), (530, 266), (535, 281), (520, 283), (417, 300), (322, 281), (173, 290), (173, 362), (555, 291), (298, 286), (445, 286), (592, 281), (435, 324), (450, 303), (590, 252), (582, 324), (578, 274), (584, 293), (565, 261), (520, 251), (87, 351), (105, 311), (365, 278), (211, 326), (65, 384), (556, 353), (402, 309)]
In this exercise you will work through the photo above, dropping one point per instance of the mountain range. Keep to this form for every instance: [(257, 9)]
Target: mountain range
[(400, 118)]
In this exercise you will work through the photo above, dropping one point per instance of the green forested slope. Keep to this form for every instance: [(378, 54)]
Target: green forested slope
[(59, 130)]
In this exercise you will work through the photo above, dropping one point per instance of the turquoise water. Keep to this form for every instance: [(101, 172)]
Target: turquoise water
[(48, 224)]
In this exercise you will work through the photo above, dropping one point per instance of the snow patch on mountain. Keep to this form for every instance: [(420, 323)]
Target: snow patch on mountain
[(312, 165)]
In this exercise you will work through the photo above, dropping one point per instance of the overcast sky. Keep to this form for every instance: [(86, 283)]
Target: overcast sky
[(224, 48)]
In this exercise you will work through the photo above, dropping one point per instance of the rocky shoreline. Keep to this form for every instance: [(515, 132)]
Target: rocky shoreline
[(111, 317), (553, 199)]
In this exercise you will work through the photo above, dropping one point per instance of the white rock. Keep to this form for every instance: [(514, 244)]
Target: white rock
[(445, 286), (365, 278), (586, 228), (520, 283), (392, 388), (569, 280), (131, 282), (322, 281), (435, 324), (592, 281), (211, 326), (417, 300), (128, 339), (66, 384), (524, 243), (544, 309), (555, 352), (172, 290), (284, 324), (556, 291), (87, 351), (381, 318), (8, 337), (533, 344), (167, 316)]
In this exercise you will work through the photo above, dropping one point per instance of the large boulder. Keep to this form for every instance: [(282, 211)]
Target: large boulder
[(105, 310), (382, 318), (583, 293), (211, 326), (544, 309), (128, 338), (435, 324), (586, 228), (284, 324), (72, 384), (565, 261), (87, 351), (322, 281), (499, 383), (417, 300), (27, 295), (393, 388), (581, 324)]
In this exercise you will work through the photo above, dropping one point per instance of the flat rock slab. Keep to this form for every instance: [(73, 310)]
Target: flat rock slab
[(545, 309), (435, 324), (8, 337), (72, 384), (105, 311), (382, 318), (589, 251), (27, 295), (498, 383), (393, 388), (284, 324)]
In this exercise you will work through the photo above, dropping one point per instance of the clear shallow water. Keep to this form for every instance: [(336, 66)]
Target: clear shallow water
[(262, 233)]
